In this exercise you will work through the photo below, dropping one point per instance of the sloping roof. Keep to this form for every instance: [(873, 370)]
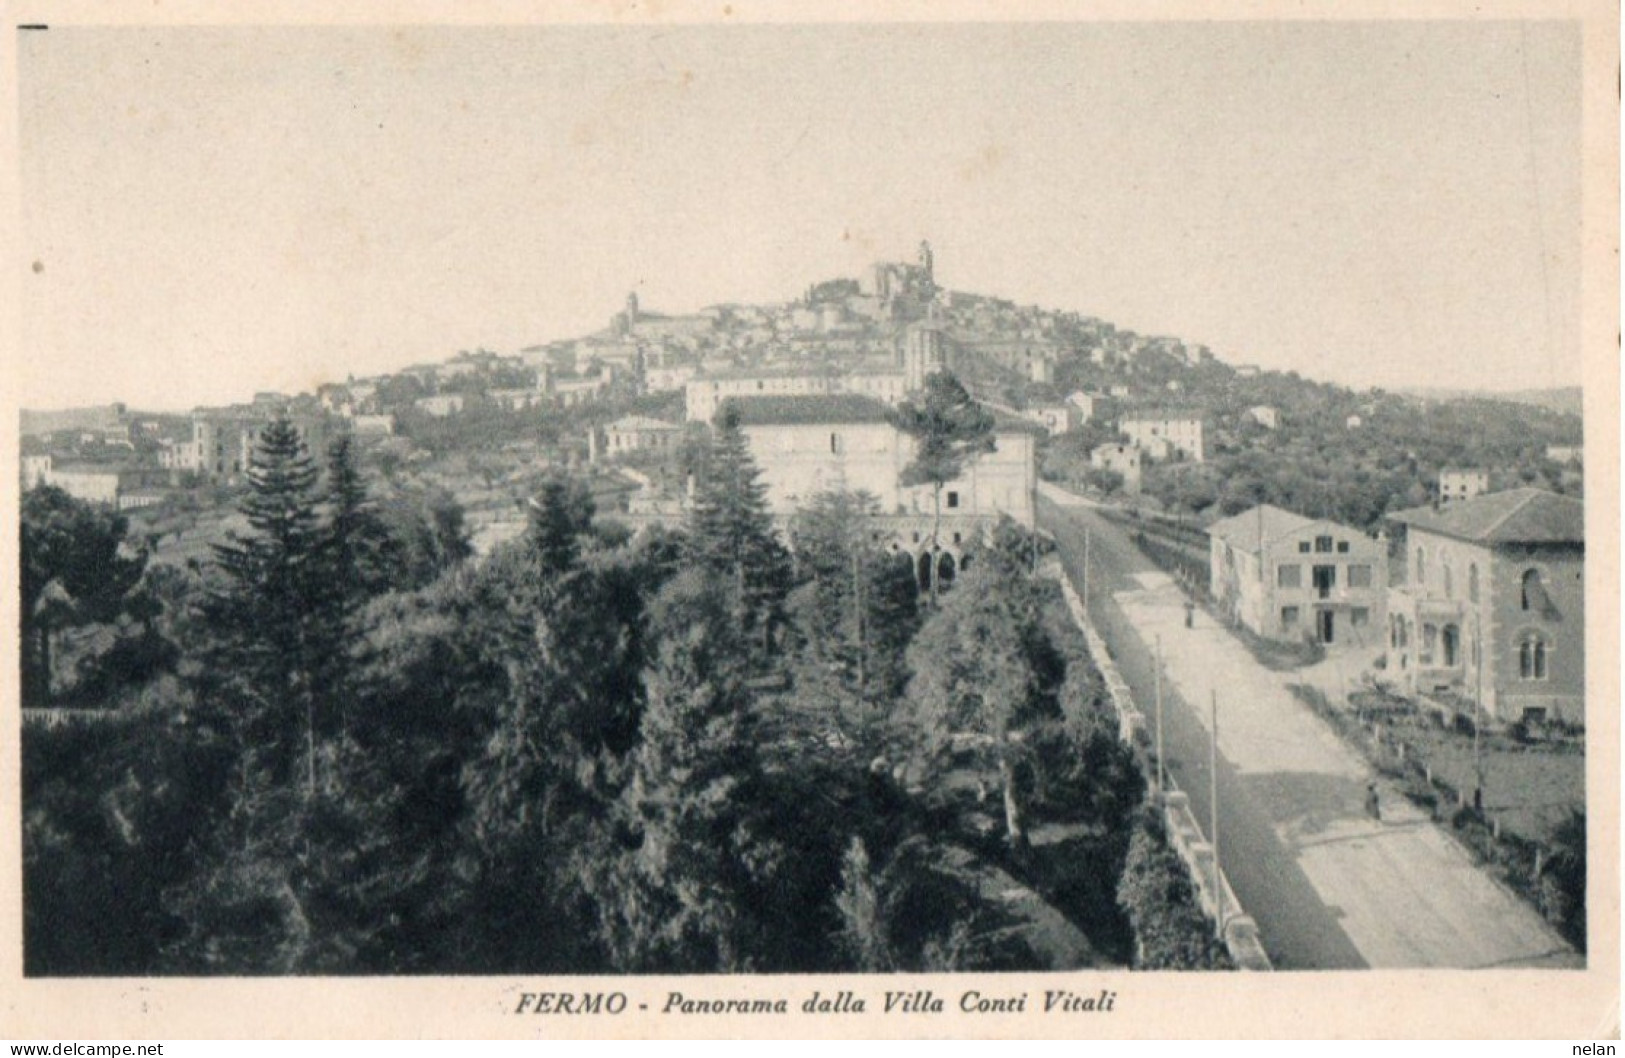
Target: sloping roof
[(1515, 516), (1244, 530), (1162, 415), (809, 410)]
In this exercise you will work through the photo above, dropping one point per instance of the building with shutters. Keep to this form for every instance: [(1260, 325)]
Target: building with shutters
[(1288, 577)]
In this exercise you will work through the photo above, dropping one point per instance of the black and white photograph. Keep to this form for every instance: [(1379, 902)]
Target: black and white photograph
[(877, 515)]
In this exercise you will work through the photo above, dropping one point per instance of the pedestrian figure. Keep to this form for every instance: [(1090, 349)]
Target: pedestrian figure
[(1190, 614), (1373, 804)]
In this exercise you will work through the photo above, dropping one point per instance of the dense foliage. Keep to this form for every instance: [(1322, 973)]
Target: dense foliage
[(584, 752)]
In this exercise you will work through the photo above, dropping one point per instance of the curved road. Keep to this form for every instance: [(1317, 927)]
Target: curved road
[(1329, 888)]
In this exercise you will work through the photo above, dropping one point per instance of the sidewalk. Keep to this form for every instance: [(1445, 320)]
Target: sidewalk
[(1406, 894)]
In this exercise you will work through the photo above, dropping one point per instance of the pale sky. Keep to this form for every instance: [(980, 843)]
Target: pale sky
[(219, 211)]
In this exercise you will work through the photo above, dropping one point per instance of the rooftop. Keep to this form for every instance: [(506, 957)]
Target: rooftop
[(1515, 516), (809, 410), (801, 370), (1267, 522), (1162, 415)]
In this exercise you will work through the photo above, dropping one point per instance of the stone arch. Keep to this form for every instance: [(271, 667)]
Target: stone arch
[(946, 569)]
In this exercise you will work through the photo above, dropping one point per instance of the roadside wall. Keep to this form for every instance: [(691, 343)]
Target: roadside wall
[(1184, 831)]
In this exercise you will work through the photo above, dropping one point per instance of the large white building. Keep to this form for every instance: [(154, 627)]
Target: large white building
[(1289, 577), (703, 394), (807, 445), (1162, 434)]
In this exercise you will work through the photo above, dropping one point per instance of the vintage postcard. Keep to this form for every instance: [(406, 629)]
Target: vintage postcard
[(697, 519)]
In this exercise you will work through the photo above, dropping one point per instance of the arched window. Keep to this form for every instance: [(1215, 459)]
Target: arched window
[(1532, 652), (1421, 566), (1532, 594), (1472, 582)]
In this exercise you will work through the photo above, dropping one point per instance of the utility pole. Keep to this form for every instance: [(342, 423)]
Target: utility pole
[(1162, 780), (1478, 710), (1086, 569), (1035, 521), (1213, 819)]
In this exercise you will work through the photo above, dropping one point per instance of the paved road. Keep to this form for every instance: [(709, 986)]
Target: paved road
[(1329, 887)]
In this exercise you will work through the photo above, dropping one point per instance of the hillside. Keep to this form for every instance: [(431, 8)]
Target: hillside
[(1568, 400)]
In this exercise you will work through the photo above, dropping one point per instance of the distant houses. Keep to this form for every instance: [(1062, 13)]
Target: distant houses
[(1492, 605), (1457, 484), (1125, 460), (1264, 415)]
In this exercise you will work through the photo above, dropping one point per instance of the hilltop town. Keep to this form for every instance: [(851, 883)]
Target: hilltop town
[(816, 542), (1166, 425)]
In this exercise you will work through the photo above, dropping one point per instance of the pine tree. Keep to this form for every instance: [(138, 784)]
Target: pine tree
[(984, 663), (950, 429), (730, 531), (275, 611), (678, 898), (364, 558), (560, 515), (853, 614)]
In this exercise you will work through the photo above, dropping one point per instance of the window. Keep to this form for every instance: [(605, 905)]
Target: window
[(835, 443), (1359, 575), (1430, 637), (1289, 617), (1359, 617), (1323, 544), (953, 499), (1533, 593), (1472, 582), (1289, 576), (956, 538), (1303, 547), (1342, 547), (1421, 566), (1532, 652), (1446, 576)]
